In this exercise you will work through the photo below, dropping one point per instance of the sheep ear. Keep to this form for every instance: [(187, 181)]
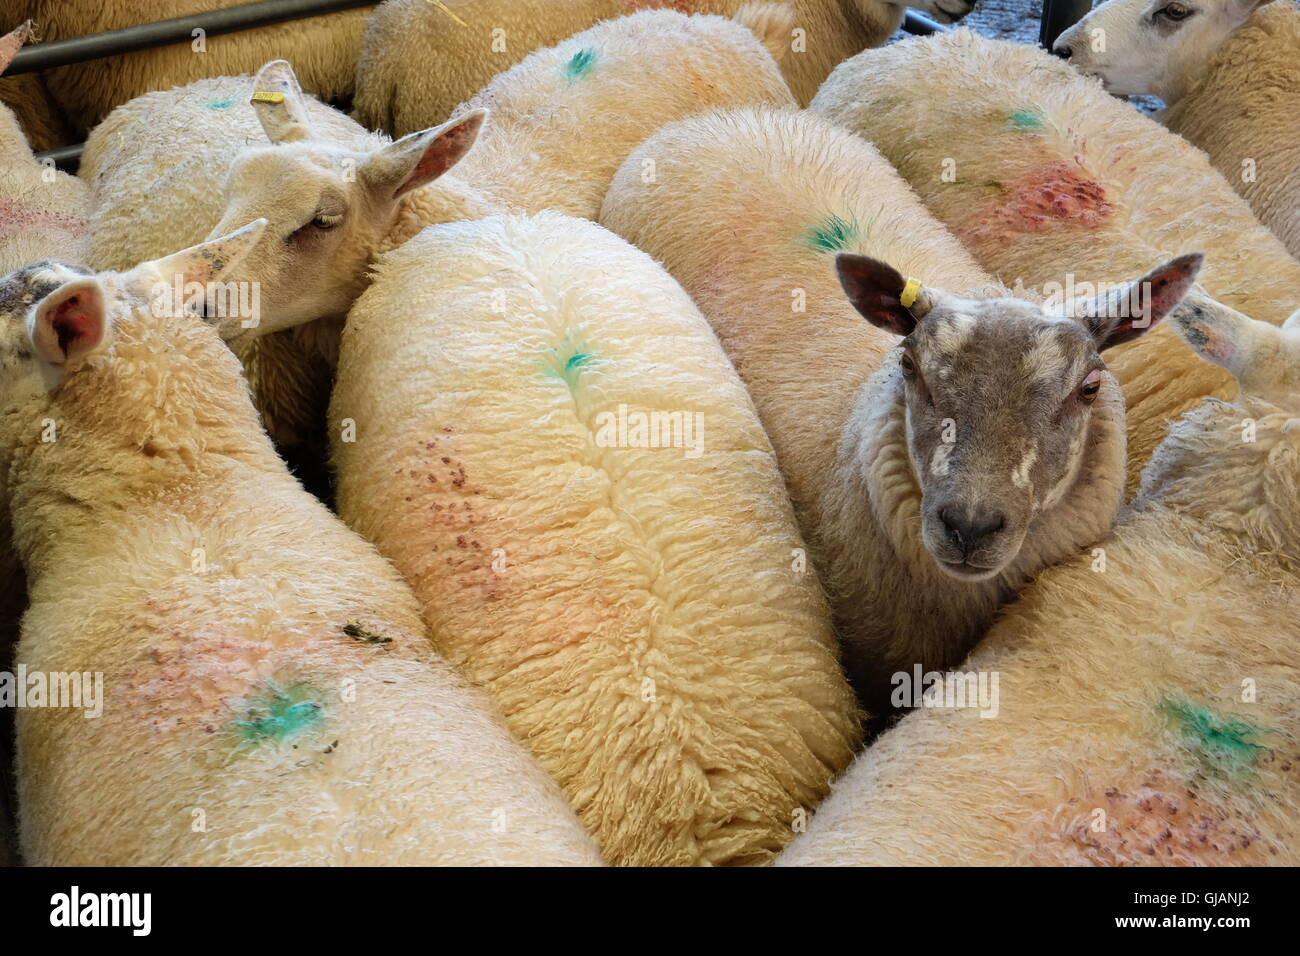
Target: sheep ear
[(204, 263), (1220, 334), (70, 323), (12, 42), (280, 106), (878, 291), (1126, 313), (420, 158)]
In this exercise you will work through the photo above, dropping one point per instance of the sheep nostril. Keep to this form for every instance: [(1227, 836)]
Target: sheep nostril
[(1064, 51), (969, 533)]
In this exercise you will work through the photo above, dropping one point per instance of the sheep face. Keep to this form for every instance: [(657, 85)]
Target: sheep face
[(998, 400), (329, 207), (997, 396), (1155, 47)]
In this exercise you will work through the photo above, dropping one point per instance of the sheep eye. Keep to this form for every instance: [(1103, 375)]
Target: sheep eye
[(1174, 11), (1090, 387), (907, 365), (326, 222)]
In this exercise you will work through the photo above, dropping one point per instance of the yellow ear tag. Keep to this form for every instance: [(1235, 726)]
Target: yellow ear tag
[(267, 98), (908, 296)]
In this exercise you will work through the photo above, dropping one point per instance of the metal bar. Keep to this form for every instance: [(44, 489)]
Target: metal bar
[(919, 24), (66, 158), (1059, 16), (45, 56)]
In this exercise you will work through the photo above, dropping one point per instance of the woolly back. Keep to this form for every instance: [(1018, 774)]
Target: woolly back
[(566, 117), (569, 473)]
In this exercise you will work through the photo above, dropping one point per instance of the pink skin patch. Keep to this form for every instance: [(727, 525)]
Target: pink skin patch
[(1164, 820), (1056, 194), (17, 218), (194, 681)]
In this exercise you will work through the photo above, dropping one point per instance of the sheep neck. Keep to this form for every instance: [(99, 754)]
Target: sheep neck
[(161, 415), (449, 199)]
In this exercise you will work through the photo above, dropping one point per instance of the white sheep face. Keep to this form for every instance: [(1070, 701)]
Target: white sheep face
[(998, 397), (328, 206), (1152, 47)]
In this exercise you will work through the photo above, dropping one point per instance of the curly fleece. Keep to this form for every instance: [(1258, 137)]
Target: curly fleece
[(639, 615)]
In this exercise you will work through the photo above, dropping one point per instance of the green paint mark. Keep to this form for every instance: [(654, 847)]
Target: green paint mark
[(582, 63), (1027, 121), (567, 362), (221, 104), (832, 234), (1222, 741), (281, 714)]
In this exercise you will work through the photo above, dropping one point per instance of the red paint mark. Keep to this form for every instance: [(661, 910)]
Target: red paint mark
[(1054, 194), (16, 218)]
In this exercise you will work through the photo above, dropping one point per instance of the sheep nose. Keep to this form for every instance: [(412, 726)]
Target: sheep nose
[(971, 529), (1063, 50)]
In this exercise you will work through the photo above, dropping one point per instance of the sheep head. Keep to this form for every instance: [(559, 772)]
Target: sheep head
[(998, 396), (54, 317), (329, 206), (1152, 47)]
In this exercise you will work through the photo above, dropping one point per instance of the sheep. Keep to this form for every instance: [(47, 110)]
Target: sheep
[(325, 48), (1232, 90), (1036, 170), (418, 61), (261, 687), (566, 117), (1149, 713), (42, 215), (308, 172), (43, 212), (159, 167), (923, 516), (570, 475)]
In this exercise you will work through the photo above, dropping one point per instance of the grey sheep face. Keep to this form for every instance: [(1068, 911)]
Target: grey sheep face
[(329, 207), (998, 397)]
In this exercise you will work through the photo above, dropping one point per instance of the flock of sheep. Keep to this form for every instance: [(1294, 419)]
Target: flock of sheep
[(743, 444)]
